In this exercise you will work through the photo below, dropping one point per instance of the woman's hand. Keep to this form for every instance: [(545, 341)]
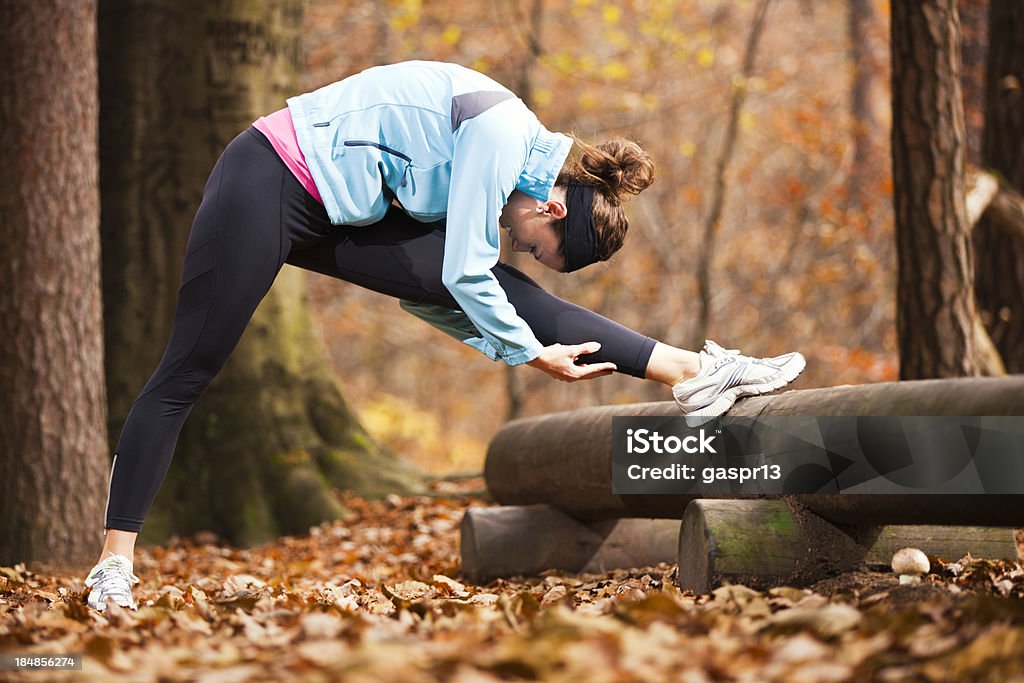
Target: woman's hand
[(559, 361)]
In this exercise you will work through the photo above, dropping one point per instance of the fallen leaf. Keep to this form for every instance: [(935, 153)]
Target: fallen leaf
[(449, 587), (556, 594), (826, 621), (318, 625), (241, 582)]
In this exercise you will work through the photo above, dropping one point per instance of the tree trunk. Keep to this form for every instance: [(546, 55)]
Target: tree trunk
[(53, 469), (999, 276), (935, 291), (268, 445), (713, 219), (860, 17)]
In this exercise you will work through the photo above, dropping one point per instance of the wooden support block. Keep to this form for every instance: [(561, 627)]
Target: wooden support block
[(527, 540), (767, 543), (758, 543)]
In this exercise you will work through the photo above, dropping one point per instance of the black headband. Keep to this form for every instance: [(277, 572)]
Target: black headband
[(580, 232)]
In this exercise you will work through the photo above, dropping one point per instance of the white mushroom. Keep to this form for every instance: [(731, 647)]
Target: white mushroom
[(910, 564)]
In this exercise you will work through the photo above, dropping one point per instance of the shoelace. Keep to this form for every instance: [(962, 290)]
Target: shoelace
[(717, 351), (722, 356), (111, 580)]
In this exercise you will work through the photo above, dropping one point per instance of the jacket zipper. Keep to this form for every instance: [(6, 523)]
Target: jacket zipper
[(383, 148)]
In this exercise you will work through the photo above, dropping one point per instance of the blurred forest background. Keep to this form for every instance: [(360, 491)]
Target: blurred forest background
[(817, 190), (802, 257)]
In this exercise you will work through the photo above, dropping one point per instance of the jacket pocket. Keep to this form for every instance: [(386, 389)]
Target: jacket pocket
[(386, 149)]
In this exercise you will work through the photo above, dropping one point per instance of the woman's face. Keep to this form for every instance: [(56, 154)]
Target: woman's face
[(531, 226)]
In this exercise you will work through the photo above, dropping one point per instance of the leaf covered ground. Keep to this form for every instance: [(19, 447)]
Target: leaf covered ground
[(378, 597)]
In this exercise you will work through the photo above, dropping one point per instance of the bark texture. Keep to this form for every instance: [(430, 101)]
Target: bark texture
[(973, 55), (53, 469), (935, 292), (267, 447), (1000, 256)]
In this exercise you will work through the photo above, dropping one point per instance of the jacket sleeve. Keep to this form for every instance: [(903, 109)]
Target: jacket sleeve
[(452, 322), (489, 155)]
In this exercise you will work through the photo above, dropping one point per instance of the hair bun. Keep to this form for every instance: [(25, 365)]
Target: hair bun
[(618, 167)]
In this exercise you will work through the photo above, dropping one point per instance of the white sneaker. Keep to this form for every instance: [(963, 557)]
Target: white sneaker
[(725, 376), (111, 579)]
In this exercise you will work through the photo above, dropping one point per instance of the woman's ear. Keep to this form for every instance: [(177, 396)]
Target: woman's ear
[(555, 208)]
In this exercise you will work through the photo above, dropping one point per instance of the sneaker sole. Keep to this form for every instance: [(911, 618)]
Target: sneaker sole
[(726, 399), (103, 607)]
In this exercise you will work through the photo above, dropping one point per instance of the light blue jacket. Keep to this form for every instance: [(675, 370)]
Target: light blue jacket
[(445, 141)]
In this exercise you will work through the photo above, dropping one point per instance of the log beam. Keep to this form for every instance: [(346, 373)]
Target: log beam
[(564, 459)]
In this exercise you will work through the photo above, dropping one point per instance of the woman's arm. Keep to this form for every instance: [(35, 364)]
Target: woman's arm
[(557, 360), (490, 153)]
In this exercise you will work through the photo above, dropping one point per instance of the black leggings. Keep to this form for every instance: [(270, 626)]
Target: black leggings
[(255, 217)]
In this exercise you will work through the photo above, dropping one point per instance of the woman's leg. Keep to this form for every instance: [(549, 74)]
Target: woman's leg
[(671, 365), (244, 228), (402, 258)]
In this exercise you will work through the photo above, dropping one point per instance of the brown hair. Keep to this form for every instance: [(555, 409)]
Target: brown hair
[(617, 169)]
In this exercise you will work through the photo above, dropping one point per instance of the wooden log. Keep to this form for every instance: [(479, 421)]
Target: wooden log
[(949, 543), (564, 459), (869, 509), (766, 543), (525, 541)]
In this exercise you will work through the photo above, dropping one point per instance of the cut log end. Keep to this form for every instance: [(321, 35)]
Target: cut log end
[(697, 552), (754, 542)]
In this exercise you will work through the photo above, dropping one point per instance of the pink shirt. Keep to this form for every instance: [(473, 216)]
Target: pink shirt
[(279, 130)]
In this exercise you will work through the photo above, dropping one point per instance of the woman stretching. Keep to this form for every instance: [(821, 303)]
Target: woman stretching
[(399, 179)]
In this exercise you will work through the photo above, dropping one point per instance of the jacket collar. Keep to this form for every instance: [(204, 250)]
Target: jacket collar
[(547, 155)]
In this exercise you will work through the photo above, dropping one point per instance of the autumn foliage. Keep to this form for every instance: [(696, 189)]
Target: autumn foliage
[(378, 597)]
